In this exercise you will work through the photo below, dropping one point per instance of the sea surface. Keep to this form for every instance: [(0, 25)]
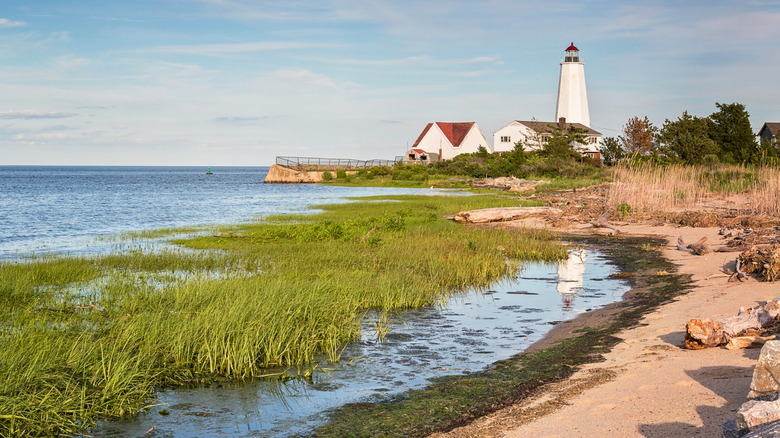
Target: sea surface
[(77, 210), (63, 209)]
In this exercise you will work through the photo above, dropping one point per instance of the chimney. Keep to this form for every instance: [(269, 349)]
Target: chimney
[(562, 123)]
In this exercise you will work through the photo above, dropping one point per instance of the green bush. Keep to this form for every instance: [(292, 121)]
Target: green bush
[(327, 176), (341, 174), (379, 171)]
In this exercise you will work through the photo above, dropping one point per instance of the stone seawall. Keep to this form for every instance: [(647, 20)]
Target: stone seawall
[(282, 174)]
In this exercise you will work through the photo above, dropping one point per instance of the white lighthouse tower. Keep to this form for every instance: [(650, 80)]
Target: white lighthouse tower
[(572, 97)]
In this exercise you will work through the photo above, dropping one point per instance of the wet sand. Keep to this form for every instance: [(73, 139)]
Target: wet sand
[(648, 385)]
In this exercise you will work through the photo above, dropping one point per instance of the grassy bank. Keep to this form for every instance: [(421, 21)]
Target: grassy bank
[(452, 401), (86, 338)]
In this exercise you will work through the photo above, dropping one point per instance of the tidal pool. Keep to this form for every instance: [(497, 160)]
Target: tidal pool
[(466, 333)]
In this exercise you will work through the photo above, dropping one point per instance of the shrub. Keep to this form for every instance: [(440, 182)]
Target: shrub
[(327, 176), (379, 171)]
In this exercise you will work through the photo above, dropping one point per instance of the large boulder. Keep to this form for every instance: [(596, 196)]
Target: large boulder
[(768, 431), (755, 414), (766, 377)]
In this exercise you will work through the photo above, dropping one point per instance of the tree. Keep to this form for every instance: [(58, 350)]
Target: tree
[(517, 155), (611, 151), (687, 139), (638, 136), (730, 129), (561, 143)]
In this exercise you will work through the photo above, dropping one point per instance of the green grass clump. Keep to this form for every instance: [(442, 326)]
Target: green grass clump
[(88, 338)]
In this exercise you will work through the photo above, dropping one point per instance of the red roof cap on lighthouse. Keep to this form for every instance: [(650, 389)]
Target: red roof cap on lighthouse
[(572, 47)]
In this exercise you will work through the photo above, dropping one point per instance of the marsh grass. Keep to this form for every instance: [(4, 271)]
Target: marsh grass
[(85, 338), (747, 190)]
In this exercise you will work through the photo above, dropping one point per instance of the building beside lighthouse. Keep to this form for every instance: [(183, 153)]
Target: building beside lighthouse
[(572, 95), (571, 111)]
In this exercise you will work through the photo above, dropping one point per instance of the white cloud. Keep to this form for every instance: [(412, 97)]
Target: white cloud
[(309, 77), (225, 49), (4, 22), (68, 62), (34, 114)]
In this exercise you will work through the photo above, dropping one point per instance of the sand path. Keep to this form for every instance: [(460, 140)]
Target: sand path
[(649, 386)]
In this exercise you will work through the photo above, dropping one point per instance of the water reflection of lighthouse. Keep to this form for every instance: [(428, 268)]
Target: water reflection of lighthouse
[(570, 273)]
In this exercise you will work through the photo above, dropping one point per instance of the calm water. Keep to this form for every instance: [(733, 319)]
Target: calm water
[(64, 210), (465, 334)]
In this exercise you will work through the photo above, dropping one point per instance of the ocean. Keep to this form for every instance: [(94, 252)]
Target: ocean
[(64, 209)]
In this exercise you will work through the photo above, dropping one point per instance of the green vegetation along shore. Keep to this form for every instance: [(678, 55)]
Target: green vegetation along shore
[(86, 338)]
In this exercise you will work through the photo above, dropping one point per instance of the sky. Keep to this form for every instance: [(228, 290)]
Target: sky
[(239, 82)]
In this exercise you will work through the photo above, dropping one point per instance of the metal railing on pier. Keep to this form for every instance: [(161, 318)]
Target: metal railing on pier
[(313, 163)]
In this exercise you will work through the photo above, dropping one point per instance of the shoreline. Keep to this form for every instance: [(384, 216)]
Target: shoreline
[(648, 385)]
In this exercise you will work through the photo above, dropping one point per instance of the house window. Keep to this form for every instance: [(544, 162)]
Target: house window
[(505, 139)]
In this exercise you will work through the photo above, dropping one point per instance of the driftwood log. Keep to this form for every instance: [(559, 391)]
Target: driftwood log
[(751, 326), (503, 214), (601, 222), (697, 248)]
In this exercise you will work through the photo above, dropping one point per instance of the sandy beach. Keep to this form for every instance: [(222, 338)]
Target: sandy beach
[(649, 385)]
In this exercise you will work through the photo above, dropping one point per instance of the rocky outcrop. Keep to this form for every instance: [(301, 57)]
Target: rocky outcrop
[(502, 214), (755, 414), (760, 416), (766, 377), (282, 174)]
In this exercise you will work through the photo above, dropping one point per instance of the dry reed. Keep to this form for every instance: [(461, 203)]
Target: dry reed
[(737, 189)]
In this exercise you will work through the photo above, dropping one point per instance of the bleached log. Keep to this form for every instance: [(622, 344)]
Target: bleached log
[(504, 214), (601, 222), (754, 323), (747, 342)]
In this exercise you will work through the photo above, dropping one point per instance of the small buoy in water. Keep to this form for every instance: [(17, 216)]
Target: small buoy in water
[(209, 172)]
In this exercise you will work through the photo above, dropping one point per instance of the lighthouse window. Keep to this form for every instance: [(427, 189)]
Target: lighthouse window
[(505, 139)]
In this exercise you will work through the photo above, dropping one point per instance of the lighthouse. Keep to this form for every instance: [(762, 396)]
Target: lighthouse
[(572, 97)]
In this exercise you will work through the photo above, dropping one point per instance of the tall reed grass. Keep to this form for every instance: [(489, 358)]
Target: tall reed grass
[(90, 338), (648, 188)]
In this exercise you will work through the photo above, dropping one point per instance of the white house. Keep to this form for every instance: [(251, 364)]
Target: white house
[(534, 134), (446, 140)]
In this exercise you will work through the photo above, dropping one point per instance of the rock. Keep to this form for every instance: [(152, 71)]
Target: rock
[(766, 377), (504, 214), (703, 333), (768, 431), (755, 414), (729, 429), (283, 174)]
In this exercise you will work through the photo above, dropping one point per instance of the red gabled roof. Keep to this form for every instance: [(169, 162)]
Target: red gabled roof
[(572, 47), (455, 132)]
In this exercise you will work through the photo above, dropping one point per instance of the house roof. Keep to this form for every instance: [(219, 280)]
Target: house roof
[(547, 127), (773, 127), (455, 132), (419, 151)]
